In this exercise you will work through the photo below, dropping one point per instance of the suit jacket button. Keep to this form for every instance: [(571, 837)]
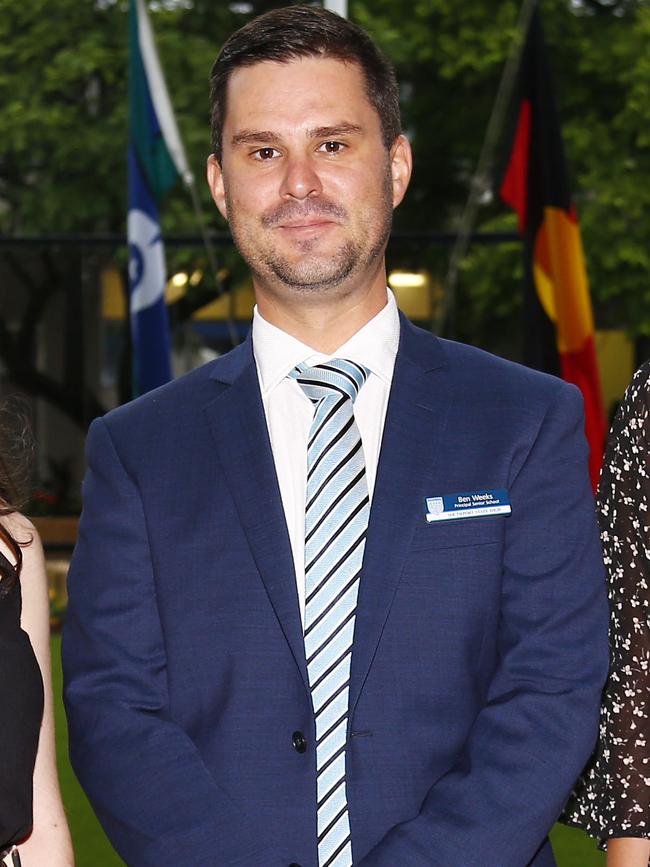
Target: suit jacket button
[(299, 745)]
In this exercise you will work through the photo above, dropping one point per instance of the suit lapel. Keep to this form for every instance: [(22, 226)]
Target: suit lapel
[(415, 423), (237, 421)]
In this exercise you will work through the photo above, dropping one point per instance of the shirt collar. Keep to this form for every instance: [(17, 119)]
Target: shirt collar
[(375, 346)]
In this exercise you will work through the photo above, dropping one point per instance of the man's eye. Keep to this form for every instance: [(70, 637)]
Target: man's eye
[(265, 153), (332, 147)]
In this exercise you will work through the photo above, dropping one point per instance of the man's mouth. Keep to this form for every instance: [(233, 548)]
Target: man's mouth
[(307, 223), (292, 216)]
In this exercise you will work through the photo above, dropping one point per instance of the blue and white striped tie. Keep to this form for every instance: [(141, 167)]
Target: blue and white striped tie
[(336, 521)]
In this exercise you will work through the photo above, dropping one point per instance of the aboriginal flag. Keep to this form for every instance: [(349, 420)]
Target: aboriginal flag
[(559, 324)]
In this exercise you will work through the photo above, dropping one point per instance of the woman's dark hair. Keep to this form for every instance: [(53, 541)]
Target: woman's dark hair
[(16, 453), (292, 32)]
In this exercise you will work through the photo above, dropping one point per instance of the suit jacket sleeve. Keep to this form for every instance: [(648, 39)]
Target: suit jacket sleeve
[(149, 786), (539, 721)]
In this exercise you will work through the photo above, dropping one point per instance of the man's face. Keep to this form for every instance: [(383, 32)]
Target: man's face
[(305, 180)]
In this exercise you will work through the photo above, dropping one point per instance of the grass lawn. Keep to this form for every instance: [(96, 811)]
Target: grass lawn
[(572, 847), (91, 846)]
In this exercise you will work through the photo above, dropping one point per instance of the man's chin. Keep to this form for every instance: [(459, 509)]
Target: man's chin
[(313, 275), (311, 280)]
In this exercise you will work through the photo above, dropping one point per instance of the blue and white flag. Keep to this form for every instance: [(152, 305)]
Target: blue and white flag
[(156, 160)]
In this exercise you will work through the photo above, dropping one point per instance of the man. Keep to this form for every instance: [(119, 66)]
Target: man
[(337, 596)]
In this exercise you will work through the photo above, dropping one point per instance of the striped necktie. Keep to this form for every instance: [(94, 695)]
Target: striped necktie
[(336, 520)]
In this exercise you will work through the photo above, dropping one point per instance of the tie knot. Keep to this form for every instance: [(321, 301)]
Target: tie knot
[(335, 378)]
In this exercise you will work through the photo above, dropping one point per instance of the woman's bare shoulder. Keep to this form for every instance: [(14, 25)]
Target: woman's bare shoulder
[(23, 531)]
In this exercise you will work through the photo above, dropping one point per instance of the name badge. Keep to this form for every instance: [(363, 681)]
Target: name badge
[(473, 504)]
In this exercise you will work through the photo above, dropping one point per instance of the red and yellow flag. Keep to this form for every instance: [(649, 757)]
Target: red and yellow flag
[(559, 323)]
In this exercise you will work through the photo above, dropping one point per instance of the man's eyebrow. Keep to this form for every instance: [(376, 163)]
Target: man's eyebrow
[(249, 136), (265, 136), (333, 131)]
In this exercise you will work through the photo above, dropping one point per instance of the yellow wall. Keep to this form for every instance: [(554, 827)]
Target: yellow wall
[(616, 361)]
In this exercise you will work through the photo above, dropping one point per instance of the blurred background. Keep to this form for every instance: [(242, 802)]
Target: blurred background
[(65, 337)]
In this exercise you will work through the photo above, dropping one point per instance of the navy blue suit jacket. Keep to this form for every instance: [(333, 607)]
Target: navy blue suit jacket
[(480, 644)]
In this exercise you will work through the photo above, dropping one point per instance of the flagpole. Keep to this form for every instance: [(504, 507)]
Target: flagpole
[(338, 6), (211, 254), (171, 134), (481, 179)]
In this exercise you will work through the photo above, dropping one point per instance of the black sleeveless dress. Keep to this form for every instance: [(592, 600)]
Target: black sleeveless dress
[(21, 710)]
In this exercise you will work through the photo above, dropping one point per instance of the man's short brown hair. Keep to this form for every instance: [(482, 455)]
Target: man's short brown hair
[(293, 32)]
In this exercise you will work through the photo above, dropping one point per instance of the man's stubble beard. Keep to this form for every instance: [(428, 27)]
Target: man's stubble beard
[(305, 275)]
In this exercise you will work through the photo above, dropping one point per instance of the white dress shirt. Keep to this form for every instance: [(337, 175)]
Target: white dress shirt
[(289, 412)]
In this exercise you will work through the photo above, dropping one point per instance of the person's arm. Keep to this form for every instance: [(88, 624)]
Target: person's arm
[(144, 776), (49, 843), (628, 852), (539, 721)]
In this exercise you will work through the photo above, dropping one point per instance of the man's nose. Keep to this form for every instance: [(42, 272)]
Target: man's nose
[(300, 179)]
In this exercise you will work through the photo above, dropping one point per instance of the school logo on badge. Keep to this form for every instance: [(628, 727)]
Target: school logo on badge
[(435, 505)]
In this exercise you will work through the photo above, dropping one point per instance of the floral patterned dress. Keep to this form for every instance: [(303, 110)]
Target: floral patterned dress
[(612, 799)]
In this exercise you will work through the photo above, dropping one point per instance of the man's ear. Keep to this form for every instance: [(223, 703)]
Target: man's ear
[(401, 164), (215, 182)]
